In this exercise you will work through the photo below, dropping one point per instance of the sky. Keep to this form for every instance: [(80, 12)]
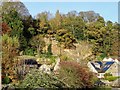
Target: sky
[(108, 10)]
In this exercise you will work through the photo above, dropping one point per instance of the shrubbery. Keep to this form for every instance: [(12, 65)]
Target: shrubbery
[(111, 78), (9, 52), (38, 79), (74, 75), (65, 58), (49, 59), (70, 75), (6, 80), (107, 74), (49, 49), (29, 51)]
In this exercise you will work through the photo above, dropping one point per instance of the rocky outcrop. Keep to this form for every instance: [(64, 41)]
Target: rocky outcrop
[(45, 68), (57, 65)]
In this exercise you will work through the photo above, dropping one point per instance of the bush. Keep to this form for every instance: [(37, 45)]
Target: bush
[(6, 80), (111, 78), (9, 52), (48, 56), (38, 79), (29, 51), (74, 75), (52, 59), (65, 58), (107, 74), (49, 49)]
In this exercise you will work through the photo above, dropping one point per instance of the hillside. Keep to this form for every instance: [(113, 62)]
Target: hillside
[(53, 49)]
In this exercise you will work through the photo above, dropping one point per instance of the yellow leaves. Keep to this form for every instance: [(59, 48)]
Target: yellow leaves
[(9, 41), (9, 51), (41, 24)]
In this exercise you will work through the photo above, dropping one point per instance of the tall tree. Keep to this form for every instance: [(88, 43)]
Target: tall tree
[(89, 16), (17, 6), (115, 40), (5, 28), (43, 23), (38, 43), (75, 25), (9, 51), (65, 38), (14, 22), (95, 33), (56, 22)]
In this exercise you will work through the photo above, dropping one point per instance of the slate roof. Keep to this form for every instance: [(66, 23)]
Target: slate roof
[(102, 67), (30, 61)]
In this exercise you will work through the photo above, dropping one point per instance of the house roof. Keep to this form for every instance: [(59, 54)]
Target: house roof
[(102, 67), (30, 61)]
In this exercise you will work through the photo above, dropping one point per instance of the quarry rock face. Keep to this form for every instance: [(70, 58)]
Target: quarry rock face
[(57, 67), (45, 68)]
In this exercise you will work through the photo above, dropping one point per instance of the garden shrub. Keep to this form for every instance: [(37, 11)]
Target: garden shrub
[(52, 59), (29, 51), (111, 78), (9, 52), (75, 75), (6, 80), (107, 74), (46, 56), (49, 49), (65, 58), (38, 79)]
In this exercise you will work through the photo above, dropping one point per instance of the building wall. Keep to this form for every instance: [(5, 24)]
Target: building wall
[(114, 69), (100, 75)]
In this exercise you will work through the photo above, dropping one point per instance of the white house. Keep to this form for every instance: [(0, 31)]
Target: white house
[(91, 67), (108, 65), (115, 68)]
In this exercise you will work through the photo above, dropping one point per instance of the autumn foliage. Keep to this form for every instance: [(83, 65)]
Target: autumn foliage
[(75, 75), (5, 28)]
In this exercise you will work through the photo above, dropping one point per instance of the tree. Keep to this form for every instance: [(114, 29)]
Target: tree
[(30, 28), (9, 51), (44, 16), (58, 19), (56, 22), (101, 35), (65, 38), (89, 16), (72, 14), (74, 75), (14, 22), (115, 40), (38, 43), (18, 6), (49, 49), (75, 25), (5, 28), (95, 33), (108, 37), (44, 25)]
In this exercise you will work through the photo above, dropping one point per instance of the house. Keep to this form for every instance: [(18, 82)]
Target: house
[(115, 68), (108, 65), (30, 62), (25, 65)]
